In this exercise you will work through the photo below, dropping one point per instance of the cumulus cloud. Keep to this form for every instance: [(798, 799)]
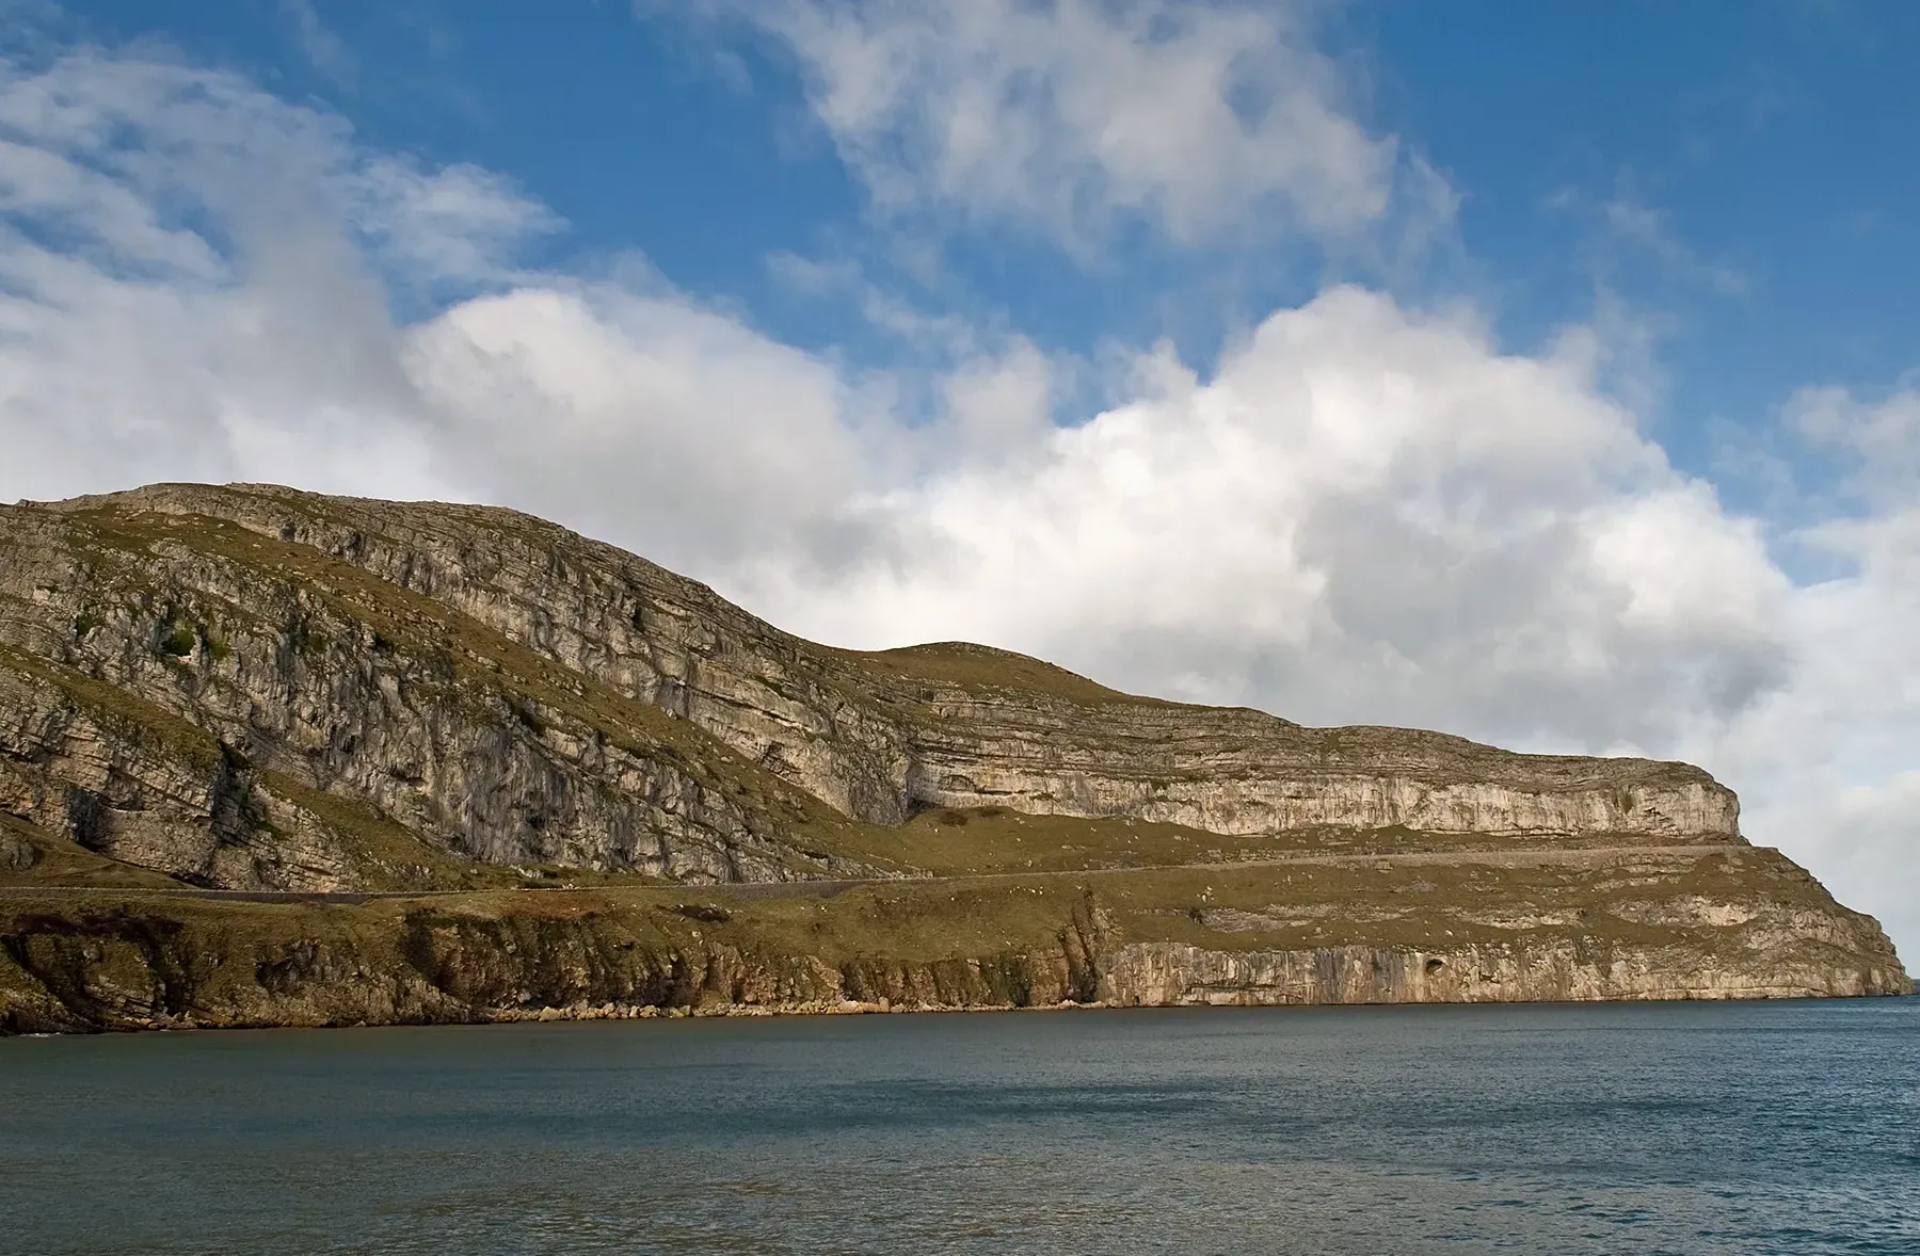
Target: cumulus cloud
[(185, 282), (1361, 512), (639, 414), (1830, 760), (1881, 438), (1068, 116), (198, 281)]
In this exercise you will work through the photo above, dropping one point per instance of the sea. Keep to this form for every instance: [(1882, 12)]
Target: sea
[(1689, 1128)]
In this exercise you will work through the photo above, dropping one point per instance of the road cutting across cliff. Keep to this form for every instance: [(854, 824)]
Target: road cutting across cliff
[(1531, 857)]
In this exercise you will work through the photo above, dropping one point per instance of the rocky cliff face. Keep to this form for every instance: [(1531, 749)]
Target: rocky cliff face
[(1685, 923), (241, 710), (514, 693), (251, 688)]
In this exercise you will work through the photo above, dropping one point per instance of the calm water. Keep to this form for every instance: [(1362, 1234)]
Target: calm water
[(1696, 1129)]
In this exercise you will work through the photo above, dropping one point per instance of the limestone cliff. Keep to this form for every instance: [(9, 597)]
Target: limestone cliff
[(249, 688), (1682, 923)]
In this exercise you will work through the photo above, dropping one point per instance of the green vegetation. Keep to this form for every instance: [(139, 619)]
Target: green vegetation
[(979, 668), (952, 841), (140, 722), (494, 676), (1409, 906), (71, 957), (63, 863), (481, 658)]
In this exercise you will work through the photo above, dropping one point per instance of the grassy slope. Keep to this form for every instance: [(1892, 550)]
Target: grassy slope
[(1443, 907), (59, 862), (983, 669)]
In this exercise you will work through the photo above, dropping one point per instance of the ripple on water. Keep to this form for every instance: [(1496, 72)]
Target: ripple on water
[(1695, 1129)]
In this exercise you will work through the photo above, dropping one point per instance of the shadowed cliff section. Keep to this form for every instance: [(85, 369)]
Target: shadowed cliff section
[(251, 688)]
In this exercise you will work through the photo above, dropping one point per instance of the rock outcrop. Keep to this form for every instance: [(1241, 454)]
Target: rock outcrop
[(248, 688), (1685, 923)]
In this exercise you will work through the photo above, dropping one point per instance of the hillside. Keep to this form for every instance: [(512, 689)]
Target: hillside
[(207, 692)]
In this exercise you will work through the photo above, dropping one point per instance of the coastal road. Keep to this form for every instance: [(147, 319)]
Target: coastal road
[(1522, 858)]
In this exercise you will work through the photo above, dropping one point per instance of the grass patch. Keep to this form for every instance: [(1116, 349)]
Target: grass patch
[(954, 841), (1426, 907), (64, 863), (389, 855), (487, 949), (142, 722), (979, 669)]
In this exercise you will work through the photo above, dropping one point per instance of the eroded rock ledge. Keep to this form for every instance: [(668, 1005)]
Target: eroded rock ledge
[(1687, 924), (248, 688), (482, 677)]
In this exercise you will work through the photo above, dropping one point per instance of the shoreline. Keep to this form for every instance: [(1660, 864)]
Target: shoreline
[(853, 1008), (1728, 923)]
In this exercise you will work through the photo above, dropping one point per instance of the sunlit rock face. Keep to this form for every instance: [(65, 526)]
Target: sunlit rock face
[(255, 689)]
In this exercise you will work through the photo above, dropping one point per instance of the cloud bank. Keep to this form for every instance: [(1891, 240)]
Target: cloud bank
[(1073, 117), (1362, 512)]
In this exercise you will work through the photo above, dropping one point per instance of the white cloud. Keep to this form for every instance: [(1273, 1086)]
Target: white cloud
[(639, 414), (1827, 764), (323, 49), (1362, 512), (195, 279), (1883, 438), (1000, 407), (1831, 761), (457, 224), (1069, 116)]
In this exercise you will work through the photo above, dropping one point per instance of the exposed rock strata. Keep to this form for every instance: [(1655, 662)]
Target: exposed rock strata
[(160, 698), (1680, 926), (253, 688), (374, 649), (1166, 974)]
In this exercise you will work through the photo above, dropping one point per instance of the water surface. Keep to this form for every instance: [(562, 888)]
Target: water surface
[(1690, 1128)]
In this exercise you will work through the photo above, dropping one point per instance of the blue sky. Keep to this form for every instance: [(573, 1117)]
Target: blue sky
[(1546, 373), (1738, 176)]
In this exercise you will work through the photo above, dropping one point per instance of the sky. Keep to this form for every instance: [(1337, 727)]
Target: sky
[(1548, 374)]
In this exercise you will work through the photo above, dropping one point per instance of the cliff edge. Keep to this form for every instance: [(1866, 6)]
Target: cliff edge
[(247, 730)]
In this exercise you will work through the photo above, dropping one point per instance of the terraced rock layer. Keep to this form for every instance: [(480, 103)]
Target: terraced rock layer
[(248, 688)]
